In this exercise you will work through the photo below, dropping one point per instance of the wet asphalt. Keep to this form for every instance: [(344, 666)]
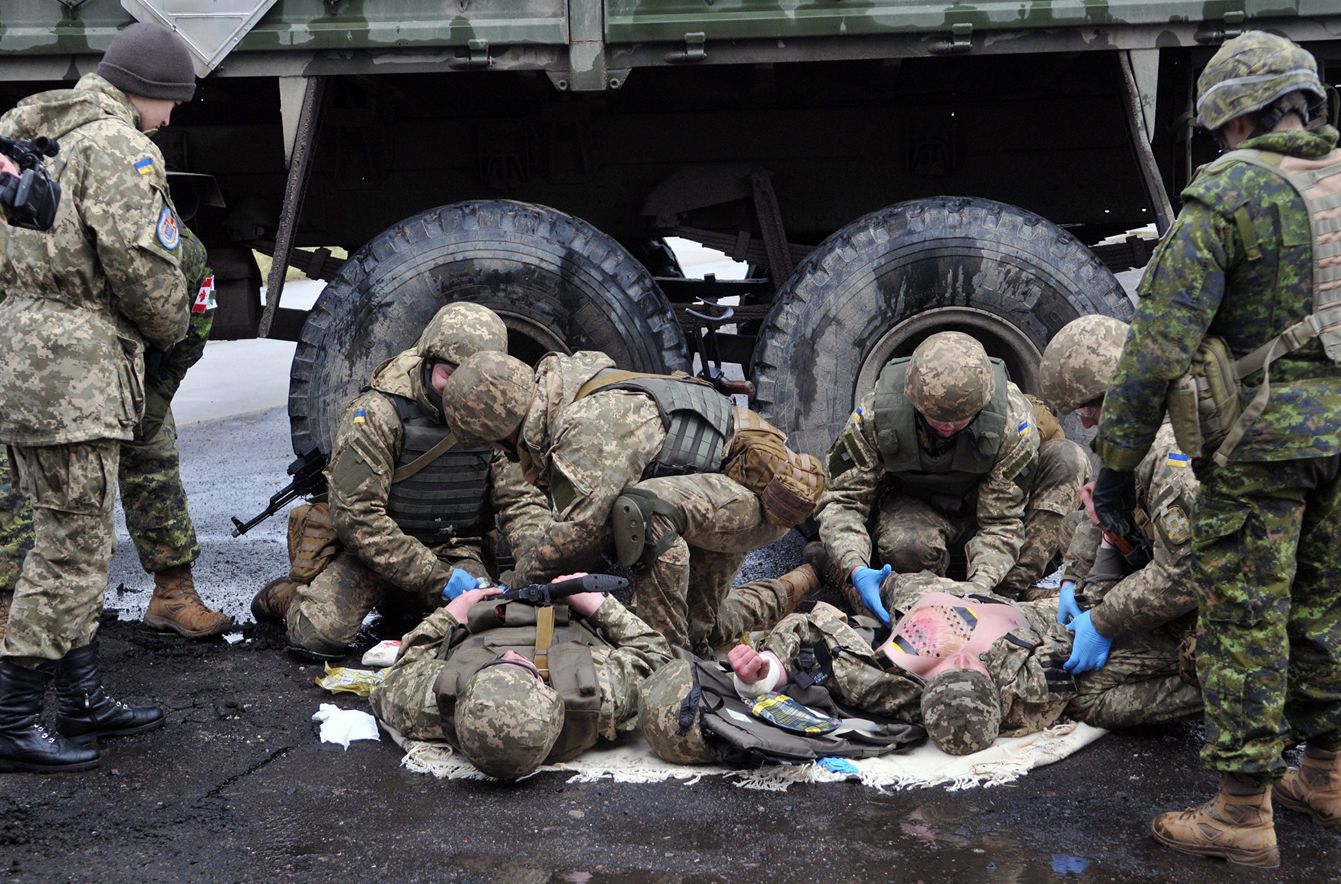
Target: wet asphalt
[(237, 787)]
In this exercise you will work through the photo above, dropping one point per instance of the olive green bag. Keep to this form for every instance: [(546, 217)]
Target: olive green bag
[(1204, 403)]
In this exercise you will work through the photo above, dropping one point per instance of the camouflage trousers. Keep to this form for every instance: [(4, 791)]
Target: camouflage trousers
[(152, 496), (327, 613), (1140, 684), (1267, 543), (684, 593), (60, 590)]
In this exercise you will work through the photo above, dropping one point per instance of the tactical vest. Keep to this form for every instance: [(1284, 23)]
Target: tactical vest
[(950, 478), (492, 630), (447, 498), (697, 419)]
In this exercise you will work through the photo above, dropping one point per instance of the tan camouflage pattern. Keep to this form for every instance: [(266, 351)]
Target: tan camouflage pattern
[(507, 720), (16, 527), (1080, 360), (459, 331), (961, 711), (84, 299), (59, 594), (405, 699), (949, 377), (487, 397), (1045, 420), (1250, 72), (659, 705), (1063, 468), (911, 535)]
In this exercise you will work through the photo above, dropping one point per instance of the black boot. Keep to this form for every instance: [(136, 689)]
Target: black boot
[(24, 743), (85, 711)]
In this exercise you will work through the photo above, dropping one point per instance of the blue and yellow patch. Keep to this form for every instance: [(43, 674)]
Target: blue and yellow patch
[(169, 236), (360, 416), (144, 165), (1178, 459), (1023, 429)]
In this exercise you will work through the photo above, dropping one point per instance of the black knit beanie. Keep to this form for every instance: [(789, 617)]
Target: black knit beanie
[(151, 61)]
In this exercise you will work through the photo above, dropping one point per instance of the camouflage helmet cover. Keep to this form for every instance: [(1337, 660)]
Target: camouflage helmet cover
[(660, 705), (949, 377), (1080, 360), (459, 331), (507, 720), (1249, 73), (487, 397), (961, 711)]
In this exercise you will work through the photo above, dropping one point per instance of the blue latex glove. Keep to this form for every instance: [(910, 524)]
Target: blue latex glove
[(459, 582), (867, 581), (1090, 649), (1067, 609)]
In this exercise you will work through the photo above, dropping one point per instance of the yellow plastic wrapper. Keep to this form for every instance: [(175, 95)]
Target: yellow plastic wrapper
[(342, 680)]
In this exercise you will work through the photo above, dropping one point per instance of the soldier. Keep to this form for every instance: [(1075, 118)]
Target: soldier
[(82, 302), (945, 447), (412, 509), (650, 455), (1107, 593), (1238, 270), (540, 700)]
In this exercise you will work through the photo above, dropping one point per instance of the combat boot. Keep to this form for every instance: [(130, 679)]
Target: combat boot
[(1235, 825), (272, 603), (24, 743), (84, 711), (801, 583), (176, 606), (816, 555), (1314, 788)]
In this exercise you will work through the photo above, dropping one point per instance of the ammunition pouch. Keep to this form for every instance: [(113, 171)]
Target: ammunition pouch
[(1203, 404), (312, 541), (631, 525), (788, 484)]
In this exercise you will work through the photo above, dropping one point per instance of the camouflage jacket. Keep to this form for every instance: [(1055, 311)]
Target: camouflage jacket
[(585, 453), (849, 497), (84, 298), (635, 652), (164, 371), (363, 459), (1163, 590), (1236, 264)]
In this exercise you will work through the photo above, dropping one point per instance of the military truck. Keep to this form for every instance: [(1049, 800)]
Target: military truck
[(885, 168)]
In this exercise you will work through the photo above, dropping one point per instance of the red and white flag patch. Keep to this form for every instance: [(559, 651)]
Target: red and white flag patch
[(205, 297)]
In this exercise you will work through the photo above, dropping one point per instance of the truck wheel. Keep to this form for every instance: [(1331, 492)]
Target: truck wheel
[(558, 283), (878, 287)]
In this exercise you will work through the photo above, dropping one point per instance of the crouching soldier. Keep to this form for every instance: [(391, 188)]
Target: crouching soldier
[(945, 450), (413, 509), (680, 481), (513, 686)]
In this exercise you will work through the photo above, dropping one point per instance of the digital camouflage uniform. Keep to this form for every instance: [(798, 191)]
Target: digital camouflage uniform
[(1266, 535), (588, 452), (82, 302), (405, 700)]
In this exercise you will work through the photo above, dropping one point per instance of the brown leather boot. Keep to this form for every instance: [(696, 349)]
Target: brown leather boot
[(801, 583), (6, 598), (271, 604), (176, 606), (1314, 788), (816, 555), (1235, 825)]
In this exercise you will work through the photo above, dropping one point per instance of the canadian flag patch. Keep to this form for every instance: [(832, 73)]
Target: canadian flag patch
[(205, 297)]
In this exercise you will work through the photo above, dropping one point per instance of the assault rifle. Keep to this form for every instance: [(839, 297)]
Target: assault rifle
[(545, 594), (307, 480), (29, 199)]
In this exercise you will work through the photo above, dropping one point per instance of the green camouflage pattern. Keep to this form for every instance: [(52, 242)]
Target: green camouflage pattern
[(1267, 560), (459, 331), (659, 704), (1080, 360), (84, 299), (16, 527), (1054, 494), (961, 711), (487, 397), (507, 720), (1237, 264), (1251, 71), (949, 378)]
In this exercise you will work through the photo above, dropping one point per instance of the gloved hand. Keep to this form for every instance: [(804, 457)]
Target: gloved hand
[(1089, 651), (867, 581), (1115, 500), (459, 582), (1067, 609)]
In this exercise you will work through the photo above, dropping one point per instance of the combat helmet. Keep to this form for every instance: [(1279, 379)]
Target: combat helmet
[(1252, 72), (961, 711), (487, 397), (669, 719), (1080, 360), (507, 720), (949, 377), (459, 331)]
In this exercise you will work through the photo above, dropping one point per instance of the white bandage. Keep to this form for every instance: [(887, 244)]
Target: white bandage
[(768, 683)]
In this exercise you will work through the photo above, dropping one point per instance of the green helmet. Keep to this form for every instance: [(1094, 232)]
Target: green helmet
[(670, 726), (507, 720), (487, 397), (961, 711), (459, 331), (1250, 73), (949, 377), (1080, 360)]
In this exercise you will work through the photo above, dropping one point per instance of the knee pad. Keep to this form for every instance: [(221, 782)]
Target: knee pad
[(631, 526)]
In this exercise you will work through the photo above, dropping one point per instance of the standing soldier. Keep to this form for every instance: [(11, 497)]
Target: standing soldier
[(1249, 272), (82, 302), (944, 447)]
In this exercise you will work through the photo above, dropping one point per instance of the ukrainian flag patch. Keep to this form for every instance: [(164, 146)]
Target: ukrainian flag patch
[(360, 416), (1178, 459), (1023, 429), (144, 165)]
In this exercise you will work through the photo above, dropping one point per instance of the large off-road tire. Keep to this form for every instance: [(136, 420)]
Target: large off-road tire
[(878, 287), (559, 284)]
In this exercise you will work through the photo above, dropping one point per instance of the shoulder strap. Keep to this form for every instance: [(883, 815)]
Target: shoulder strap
[(544, 637), (611, 377), (445, 444)]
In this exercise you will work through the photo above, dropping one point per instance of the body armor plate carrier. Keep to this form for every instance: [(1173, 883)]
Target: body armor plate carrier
[(447, 498)]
